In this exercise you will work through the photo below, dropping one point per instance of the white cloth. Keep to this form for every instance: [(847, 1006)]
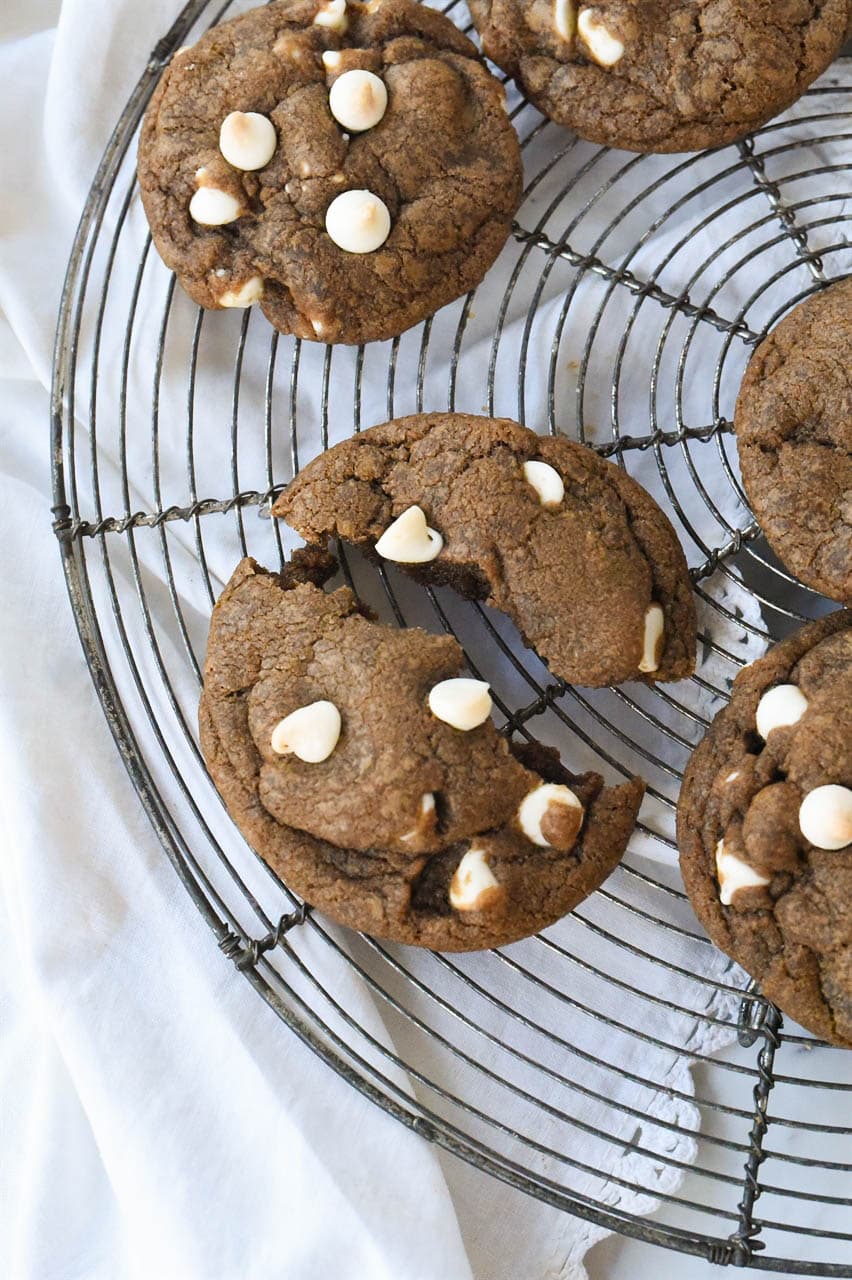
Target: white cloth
[(161, 1119)]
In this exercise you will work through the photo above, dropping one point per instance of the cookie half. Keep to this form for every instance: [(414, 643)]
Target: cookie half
[(568, 545), (662, 75), (367, 772), (794, 434), (350, 167), (765, 826)]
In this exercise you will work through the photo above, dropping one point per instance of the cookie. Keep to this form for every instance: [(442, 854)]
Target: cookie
[(765, 826), (662, 75), (568, 545), (367, 772), (794, 434), (350, 167)]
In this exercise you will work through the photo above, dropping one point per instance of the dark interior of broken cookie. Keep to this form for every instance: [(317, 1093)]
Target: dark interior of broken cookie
[(364, 766)]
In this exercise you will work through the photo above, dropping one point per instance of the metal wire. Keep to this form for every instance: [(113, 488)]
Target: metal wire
[(612, 240)]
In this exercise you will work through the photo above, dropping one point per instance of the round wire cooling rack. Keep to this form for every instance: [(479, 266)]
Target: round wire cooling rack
[(616, 1066)]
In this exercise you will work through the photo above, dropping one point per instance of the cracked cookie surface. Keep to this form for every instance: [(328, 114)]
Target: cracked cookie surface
[(409, 827), (441, 165), (568, 545), (662, 75), (794, 435), (765, 826)]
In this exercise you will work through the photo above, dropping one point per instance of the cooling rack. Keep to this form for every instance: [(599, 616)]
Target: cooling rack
[(615, 1067)]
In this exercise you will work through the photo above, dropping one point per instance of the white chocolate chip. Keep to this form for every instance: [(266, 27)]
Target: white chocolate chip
[(331, 59), (463, 703), (424, 816), (782, 705), (546, 481), (535, 805), (733, 775), (604, 48), (247, 140), (652, 638), (358, 221), (825, 817), (409, 540), (473, 885), (332, 14), (318, 327), (358, 100), (564, 18), (213, 208), (734, 874), (310, 732), (244, 295)]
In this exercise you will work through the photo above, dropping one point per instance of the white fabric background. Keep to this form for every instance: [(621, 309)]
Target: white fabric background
[(157, 1119)]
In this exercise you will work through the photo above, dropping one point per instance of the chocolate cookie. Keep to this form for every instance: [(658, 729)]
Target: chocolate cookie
[(765, 826), (569, 546), (794, 433), (368, 774), (662, 75), (349, 166)]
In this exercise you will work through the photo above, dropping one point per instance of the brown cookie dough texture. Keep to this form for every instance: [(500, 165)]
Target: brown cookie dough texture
[(794, 434), (568, 545), (662, 75), (765, 826), (382, 813), (422, 199)]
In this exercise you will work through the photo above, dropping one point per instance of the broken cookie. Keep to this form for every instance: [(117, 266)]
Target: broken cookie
[(367, 772), (568, 545)]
